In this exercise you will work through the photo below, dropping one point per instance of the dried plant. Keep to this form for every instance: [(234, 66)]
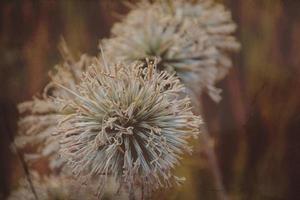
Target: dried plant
[(191, 38), (41, 115), (131, 123)]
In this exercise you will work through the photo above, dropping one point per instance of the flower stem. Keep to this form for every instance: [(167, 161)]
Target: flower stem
[(212, 158), (213, 162)]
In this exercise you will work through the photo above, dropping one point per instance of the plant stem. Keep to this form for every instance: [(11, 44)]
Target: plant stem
[(26, 170), (212, 159), (213, 162)]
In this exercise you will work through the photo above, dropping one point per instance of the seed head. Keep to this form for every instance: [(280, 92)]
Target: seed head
[(191, 39), (131, 123), (40, 116)]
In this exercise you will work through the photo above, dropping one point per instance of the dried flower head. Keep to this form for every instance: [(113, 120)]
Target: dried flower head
[(131, 123), (192, 39), (41, 115), (50, 188)]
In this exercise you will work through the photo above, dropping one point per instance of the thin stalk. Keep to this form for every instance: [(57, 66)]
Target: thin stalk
[(26, 170), (22, 160), (214, 166), (212, 160)]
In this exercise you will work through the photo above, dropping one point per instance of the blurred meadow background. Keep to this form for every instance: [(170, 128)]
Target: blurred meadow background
[(255, 127)]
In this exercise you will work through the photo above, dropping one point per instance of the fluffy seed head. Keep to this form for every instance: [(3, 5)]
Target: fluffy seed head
[(131, 123), (40, 116), (191, 39)]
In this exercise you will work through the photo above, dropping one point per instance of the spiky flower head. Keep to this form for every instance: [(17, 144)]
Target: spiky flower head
[(191, 38), (132, 123), (40, 116)]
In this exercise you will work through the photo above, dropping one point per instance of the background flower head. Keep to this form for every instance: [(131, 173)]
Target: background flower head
[(40, 116), (193, 39)]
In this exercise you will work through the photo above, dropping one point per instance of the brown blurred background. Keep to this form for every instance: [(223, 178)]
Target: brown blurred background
[(256, 125)]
